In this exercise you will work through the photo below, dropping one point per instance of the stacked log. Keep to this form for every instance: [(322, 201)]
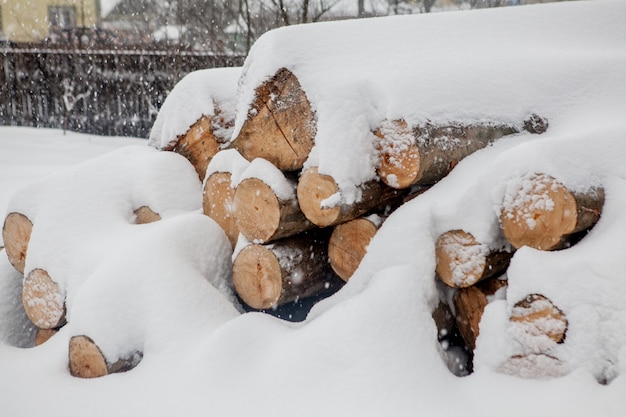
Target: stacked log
[(43, 300), (348, 244), (16, 233), (145, 214), (86, 360), (544, 214)]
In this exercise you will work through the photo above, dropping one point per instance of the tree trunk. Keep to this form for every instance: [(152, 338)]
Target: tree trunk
[(144, 214), (16, 235), (267, 276), (199, 144), (43, 300), (545, 215), (217, 203), (348, 245), (262, 216), (87, 361), (424, 154), (462, 261), (320, 199), (280, 126), (538, 316), (470, 303)]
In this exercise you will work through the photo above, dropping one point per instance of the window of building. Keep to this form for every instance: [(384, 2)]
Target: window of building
[(62, 16)]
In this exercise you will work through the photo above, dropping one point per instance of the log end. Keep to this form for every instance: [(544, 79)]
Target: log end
[(399, 157), (16, 233), (348, 245), (257, 210), (315, 194), (145, 214), (539, 214), (469, 304), (43, 335), (257, 277), (533, 366), (536, 316), (461, 259), (43, 300), (86, 359), (217, 203), (198, 145)]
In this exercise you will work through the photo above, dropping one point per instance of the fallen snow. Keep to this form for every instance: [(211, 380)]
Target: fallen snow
[(371, 349)]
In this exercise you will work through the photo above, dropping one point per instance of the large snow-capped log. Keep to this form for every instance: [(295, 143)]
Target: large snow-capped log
[(197, 117), (266, 206), (16, 233), (280, 125), (540, 212), (43, 300), (469, 305), (270, 275), (323, 203), (462, 260), (537, 323), (223, 173), (87, 361), (425, 153)]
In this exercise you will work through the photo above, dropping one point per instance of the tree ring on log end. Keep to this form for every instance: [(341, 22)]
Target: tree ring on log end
[(43, 300), (348, 245), (538, 316), (400, 161), (86, 359), (16, 236), (257, 210), (314, 189), (461, 259), (257, 277)]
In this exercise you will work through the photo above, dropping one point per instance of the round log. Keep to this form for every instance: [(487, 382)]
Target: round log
[(320, 199), (348, 244), (545, 215), (267, 276), (87, 361), (145, 214), (262, 216), (469, 305), (538, 316), (217, 203), (16, 233), (199, 144), (425, 153), (280, 126), (462, 261), (43, 300)]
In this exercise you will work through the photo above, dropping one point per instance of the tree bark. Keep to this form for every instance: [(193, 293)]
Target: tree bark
[(462, 261), (43, 300), (200, 143), (267, 276), (262, 216), (280, 126), (348, 245), (87, 361), (16, 233), (470, 303), (424, 154), (315, 190), (538, 316), (217, 203), (545, 215), (145, 214)]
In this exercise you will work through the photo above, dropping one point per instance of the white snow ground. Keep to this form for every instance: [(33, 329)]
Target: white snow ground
[(371, 349)]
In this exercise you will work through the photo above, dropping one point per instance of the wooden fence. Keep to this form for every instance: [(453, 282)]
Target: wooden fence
[(111, 93)]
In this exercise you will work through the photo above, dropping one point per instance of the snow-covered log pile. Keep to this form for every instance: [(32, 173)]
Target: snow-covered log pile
[(330, 158)]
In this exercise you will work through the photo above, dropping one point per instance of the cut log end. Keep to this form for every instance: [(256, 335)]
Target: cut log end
[(533, 366), (86, 359), (16, 236), (469, 305), (257, 210), (314, 191), (399, 161), (348, 245), (43, 300), (145, 214), (543, 213), (217, 203), (536, 316), (257, 277), (462, 261)]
